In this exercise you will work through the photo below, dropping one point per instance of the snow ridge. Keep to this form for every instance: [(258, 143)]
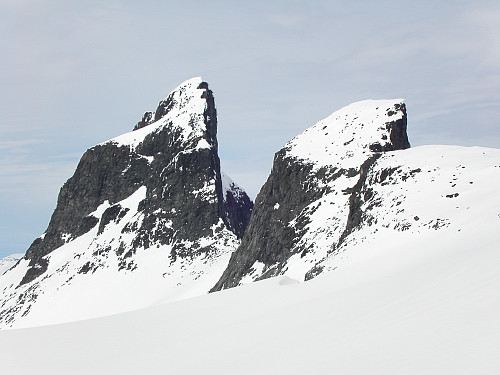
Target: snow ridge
[(348, 135), (184, 106), (350, 184)]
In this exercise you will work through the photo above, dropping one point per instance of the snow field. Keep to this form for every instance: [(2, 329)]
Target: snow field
[(430, 314)]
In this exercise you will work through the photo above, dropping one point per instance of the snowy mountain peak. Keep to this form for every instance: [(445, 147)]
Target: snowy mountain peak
[(310, 203), (144, 218), (349, 187), (230, 187), (189, 110), (349, 134), (188, 91)]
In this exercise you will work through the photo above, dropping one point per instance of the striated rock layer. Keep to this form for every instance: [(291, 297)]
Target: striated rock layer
[(148, 208)]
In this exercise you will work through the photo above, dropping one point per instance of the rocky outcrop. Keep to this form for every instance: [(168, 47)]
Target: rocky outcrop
[(181, 175), (237, 206), (157, 187), (149, 217), (311, 201)]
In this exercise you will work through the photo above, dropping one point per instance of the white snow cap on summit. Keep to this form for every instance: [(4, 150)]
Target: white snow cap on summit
[(346, 133), (186, 114), (228, 185)]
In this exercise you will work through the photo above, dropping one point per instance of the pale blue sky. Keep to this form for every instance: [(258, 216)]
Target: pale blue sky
[(75, 73)]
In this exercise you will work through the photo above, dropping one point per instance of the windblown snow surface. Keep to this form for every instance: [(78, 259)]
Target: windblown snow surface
[(65, 294), (423, 300), (428, 307)]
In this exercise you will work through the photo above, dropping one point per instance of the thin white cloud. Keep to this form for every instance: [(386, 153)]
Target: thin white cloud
[(19, 146)]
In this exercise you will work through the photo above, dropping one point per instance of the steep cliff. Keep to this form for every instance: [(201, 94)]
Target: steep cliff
[(311, 201), (149, 204)]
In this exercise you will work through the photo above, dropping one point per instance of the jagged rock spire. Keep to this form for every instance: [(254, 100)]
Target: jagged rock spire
[(156, 191)]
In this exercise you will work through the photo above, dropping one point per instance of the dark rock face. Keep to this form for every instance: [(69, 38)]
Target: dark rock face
[(397, 130), (268, 239), (237, 210), (98, 177), (146, 120), (289, 196), (183, 189), (357, 195)]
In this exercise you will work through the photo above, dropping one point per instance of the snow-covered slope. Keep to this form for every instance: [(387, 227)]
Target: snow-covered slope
[(183, 111), (8, 261), (144, 219), (430, 307), (409, 196), (348, 136), (351, 182), (149, 217)]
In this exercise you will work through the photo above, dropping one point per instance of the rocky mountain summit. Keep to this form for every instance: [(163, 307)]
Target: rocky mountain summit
[(351, 185), (150, 206), (149, 217), (322, 169)]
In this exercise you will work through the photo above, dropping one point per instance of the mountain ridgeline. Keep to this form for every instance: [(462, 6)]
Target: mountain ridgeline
[(303, 173), (156, 192), (183, 187), (149, 217)]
